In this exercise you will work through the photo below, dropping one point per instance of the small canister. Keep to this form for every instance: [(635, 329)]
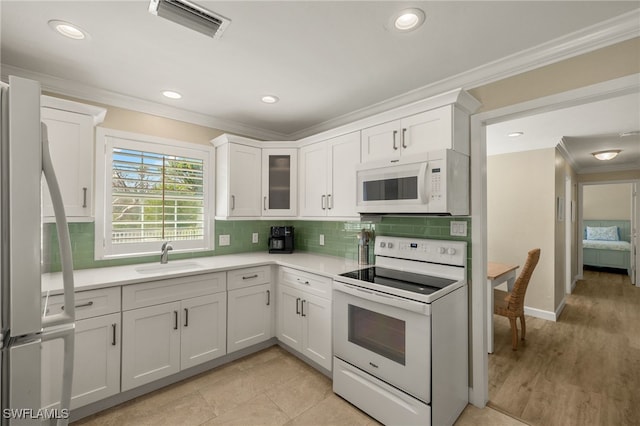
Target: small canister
[(364, 237)]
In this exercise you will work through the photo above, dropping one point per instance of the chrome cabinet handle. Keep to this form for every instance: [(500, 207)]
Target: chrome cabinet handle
[(82, 305), (113, 334), (395, 133), (329, 202), (302, 310), (404, 145), (186, 317), (298, 306), (264, 203), (323, 199), (84, 197), (303, 282), (233, 202), (268, 297), (175, 320), (248, 277)]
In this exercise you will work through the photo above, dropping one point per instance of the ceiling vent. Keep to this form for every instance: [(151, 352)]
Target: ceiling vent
[(191, 16)]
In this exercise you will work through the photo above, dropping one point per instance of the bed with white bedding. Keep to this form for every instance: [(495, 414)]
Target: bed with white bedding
[(606, 244)]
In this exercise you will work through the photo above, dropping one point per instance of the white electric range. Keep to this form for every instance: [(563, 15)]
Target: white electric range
[(400, 332)]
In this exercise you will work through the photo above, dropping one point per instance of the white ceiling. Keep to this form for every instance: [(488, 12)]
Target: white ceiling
[(581, 130), (329, 62)]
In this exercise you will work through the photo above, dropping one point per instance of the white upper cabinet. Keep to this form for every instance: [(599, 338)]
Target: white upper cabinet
[(441, 128), (279, 181), (70, 129), (252, 181), (328, 177), (238, 177)]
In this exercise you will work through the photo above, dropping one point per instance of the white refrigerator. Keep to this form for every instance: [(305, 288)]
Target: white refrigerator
[(24, 163)]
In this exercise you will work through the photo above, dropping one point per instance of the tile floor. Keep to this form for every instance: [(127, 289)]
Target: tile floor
[(270, 387)]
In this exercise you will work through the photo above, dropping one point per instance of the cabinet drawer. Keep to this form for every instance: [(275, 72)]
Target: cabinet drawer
[(163, 291), (247, 277), (90, 303), (312, 283)]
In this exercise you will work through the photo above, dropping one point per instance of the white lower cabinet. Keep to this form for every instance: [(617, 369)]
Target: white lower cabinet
[(160, 340), (96, 361), (304, 319), (150, 344), (250, 318), (204, 329)]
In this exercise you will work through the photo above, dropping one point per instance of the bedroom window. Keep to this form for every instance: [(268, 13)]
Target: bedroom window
[(151, 190)]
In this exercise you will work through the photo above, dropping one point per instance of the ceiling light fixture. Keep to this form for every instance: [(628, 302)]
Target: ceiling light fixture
[(68, 30), (606, 155), (515, 134), (270, 99), (171, 94), (408, 19)]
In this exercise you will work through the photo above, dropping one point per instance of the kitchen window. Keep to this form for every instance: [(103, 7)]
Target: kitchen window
[(151, 190)]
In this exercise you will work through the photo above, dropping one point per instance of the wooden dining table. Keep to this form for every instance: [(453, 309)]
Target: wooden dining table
[(497, 273)]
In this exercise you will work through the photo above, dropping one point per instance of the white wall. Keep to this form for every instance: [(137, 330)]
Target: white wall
[(607, 202), (521, 209)]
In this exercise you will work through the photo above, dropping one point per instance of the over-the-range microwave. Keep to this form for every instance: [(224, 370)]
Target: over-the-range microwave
[(433, 183)]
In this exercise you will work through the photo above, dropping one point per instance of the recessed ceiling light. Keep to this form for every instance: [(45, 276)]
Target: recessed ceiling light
[(515, 134), (606, 155), (68, 30), (408, 19), (270, 99), (171, 94)]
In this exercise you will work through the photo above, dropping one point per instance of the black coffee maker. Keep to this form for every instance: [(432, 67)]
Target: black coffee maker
[(281, 239)]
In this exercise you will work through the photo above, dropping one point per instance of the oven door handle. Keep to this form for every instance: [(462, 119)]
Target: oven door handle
[(385, 299)]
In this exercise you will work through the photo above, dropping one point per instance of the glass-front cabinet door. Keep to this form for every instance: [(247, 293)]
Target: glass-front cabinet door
[(279, 182)]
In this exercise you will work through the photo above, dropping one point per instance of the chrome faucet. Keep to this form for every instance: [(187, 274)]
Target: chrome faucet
[(164, 257)]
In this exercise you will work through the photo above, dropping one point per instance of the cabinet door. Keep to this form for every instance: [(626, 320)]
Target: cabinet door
[(150, 344), (427, 131), (289, 329), (279, 182), (96, 364), (313, 180), (316, 323), (204, 325), (381, 142), (244, 180), (250, 316), (71, 146), (344, 156)]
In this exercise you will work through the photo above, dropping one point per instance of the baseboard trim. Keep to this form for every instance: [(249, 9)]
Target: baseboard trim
[(539, 313)]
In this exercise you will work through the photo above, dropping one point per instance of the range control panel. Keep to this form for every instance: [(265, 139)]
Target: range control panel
[(437, 251)]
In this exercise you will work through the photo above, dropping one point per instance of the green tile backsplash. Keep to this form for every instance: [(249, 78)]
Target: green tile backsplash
[(339, 238)]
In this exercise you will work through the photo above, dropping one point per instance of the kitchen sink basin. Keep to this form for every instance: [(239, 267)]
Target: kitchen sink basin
[(157, 268)]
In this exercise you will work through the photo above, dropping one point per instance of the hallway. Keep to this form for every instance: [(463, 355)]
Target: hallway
[(583, 369)]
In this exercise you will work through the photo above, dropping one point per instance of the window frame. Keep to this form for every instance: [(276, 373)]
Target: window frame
[(106, 140)]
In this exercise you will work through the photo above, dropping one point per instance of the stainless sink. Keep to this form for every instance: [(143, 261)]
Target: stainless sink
[(156, 268)]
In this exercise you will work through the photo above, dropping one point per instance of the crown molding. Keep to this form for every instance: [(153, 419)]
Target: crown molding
[(564, 152), (81, 91), (603, 34)]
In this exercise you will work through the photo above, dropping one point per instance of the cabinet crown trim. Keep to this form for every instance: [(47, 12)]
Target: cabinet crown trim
[(98, 113)]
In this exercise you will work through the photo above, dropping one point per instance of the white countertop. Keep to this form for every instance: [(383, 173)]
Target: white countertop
[(88, 279)]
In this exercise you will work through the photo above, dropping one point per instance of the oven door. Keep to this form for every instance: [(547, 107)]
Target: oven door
[(387, 336)]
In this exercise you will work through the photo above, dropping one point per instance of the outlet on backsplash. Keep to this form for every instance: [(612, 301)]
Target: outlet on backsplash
[(224, 240), (254, 238), (321, 239)]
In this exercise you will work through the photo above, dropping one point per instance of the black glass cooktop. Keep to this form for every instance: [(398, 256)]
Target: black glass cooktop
[(409, 281)]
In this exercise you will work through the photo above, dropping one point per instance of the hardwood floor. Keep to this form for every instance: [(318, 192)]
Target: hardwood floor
[(583, 369)]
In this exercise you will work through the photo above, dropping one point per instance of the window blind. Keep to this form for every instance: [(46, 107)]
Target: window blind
[(156, 197)]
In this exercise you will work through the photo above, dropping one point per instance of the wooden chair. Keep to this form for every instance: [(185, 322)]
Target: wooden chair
[(511, 305)]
